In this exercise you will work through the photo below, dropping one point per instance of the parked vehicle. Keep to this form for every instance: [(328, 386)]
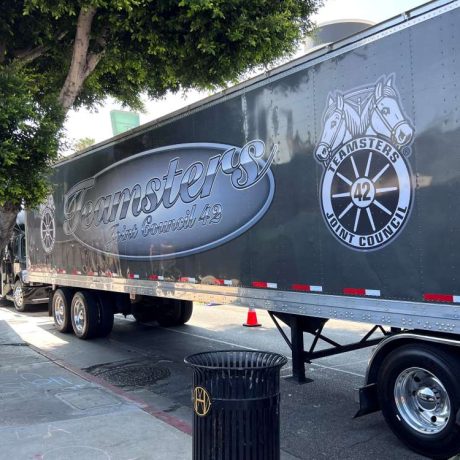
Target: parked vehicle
[(14, 283), (326, 188)]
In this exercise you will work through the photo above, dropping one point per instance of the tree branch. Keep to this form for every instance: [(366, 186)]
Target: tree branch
[(28, 55), (79, 63), (92, 62), (94, 58)]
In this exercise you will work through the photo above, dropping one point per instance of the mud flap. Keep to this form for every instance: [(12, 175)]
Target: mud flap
[(368, 400)]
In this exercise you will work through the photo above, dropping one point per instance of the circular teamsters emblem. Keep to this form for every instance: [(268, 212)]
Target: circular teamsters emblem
[(48, 230), (366, 188), (47, 224), (367, 196)]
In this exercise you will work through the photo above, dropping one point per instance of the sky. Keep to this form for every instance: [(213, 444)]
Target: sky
[(97, 125)]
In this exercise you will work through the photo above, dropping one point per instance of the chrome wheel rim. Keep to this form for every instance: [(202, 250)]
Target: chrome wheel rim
[(59, 313), (18, 296), (422, 400), (79, 315)]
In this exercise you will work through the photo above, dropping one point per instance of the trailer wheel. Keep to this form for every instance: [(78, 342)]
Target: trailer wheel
[(18, 296), (174, 312), (144, 313), (85, 315), (420, 398), (60, 307), (187, 310), (106, 302)]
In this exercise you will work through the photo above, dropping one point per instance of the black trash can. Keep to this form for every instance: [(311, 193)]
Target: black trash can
[(236, 397)]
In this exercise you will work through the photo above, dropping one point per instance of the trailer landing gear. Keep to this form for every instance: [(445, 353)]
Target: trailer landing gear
[(314, 326)]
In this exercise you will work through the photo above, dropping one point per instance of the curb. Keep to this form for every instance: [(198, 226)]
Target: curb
[(150, 409)]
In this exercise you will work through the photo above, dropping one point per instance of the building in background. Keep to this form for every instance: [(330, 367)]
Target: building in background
[(123, 121), (332, 31)]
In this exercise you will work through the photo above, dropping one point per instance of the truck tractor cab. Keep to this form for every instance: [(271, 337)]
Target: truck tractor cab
[(14, 284)]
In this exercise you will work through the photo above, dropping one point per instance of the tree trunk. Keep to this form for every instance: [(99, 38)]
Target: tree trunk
[(82, 63), (8, 214)]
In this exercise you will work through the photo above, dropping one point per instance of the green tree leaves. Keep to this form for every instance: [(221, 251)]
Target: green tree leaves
[(30, 125), (78, 52)]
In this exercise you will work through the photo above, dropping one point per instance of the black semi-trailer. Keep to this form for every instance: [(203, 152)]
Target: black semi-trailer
[(326, 188)]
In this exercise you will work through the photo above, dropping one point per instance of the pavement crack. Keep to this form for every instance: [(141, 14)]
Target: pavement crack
[(364, 441), (19, 344)]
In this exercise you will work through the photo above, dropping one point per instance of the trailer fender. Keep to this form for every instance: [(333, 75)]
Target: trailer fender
[(367, 395)]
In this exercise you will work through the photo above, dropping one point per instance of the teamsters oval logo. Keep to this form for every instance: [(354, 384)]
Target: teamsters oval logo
[(366, 188), (172, 201)]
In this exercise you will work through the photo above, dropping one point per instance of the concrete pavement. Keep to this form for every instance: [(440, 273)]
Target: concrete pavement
[(49, 412), (53, 410)]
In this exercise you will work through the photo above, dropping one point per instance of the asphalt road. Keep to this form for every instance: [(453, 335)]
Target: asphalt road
[(146, 361)]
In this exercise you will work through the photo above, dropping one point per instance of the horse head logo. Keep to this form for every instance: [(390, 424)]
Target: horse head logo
[(366, 187), (374, 110), (334, 128), (388, 118)]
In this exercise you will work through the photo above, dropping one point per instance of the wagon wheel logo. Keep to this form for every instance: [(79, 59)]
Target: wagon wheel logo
[(366, 188), (48, 230), (367, 197), (201, 401)]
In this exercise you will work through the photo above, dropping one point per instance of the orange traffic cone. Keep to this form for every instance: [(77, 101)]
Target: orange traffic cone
[(251, 320)]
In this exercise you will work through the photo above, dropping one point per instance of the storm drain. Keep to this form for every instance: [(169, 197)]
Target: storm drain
[(130, 374)]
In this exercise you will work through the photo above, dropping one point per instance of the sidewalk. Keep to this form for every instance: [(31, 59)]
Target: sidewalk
[(48, 412)]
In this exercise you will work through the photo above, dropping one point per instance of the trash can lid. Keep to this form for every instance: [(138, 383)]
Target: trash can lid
[(236, 360)]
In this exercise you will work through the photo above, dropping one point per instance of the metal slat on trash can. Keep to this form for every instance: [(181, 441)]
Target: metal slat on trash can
[(236, 396)]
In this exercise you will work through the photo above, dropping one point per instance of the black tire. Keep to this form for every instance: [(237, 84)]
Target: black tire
[(105, 306), (169, 312), (187, 310), (412, 367), (145, 309), (144, 314), (18, 296), (60, 309), (85, 315), (174, 312)]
